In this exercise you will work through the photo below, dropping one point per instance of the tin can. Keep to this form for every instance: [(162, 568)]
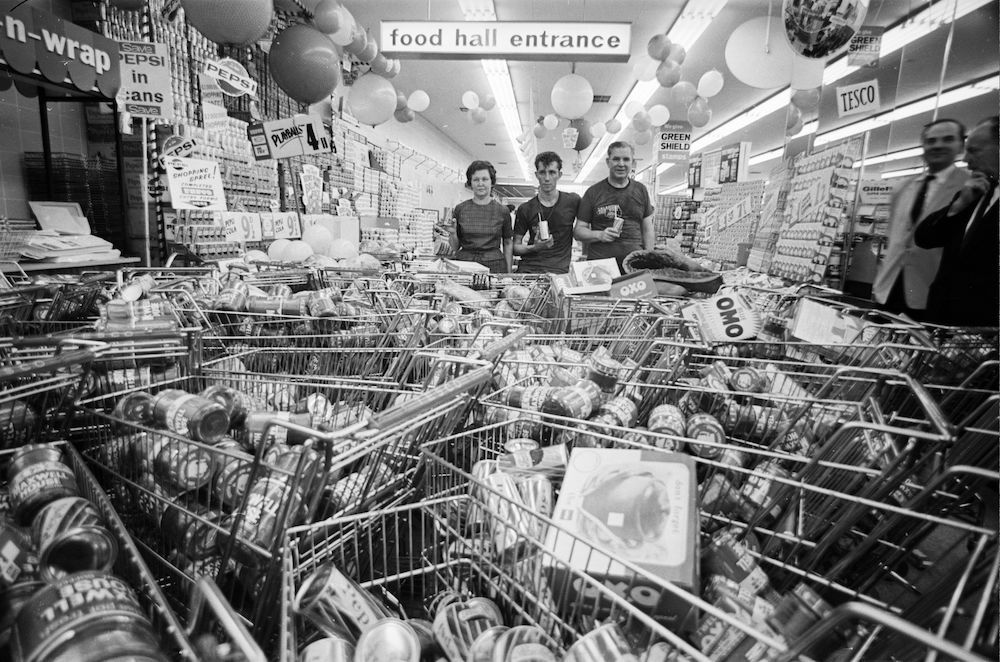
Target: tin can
[(567, 402), (36, 477), (135, 408), (509, 514), (191, 415), (236, 403), (524, 643), (798, 610), (607, 642), (233, 297), (280, 290), (520, 444), (603, 371), (232, 475), (192, 529), (12, 598), (328, 649), (184, 466), (304, 465), (747, 380), (458, 625), (706, 428), (618, 223), (260, 524), (667, 419), (622, 409), (322, 304), (764, 493), (17, 553), (729, 556), (539, 499), (69, 536), (332, 601), (482, 648), (85, 617), (543, 230), (440, 600), (259, 421), (429, 648), (388, 640), (530, 398), (545, 461)]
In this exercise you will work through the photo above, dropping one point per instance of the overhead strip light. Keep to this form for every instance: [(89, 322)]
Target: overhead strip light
[(498, 74), (920, 25), (696, 16), (893, 174)]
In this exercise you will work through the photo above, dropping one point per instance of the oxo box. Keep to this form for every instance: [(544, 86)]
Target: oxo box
[(626, 505)]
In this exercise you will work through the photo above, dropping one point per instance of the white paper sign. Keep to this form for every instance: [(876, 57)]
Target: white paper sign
[(195, 184), (145, 74), (286, 225), (724, 318), (230, 225), (267, 224), (858, 98), (241, 226)]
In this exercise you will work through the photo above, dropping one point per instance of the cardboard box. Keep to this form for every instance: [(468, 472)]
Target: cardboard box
[(633, 505)]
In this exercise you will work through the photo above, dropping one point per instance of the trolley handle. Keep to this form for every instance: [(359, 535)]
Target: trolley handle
[(861, 611), (405, 411), (100, 338), (50, 364), (207, 592), (926, 401)]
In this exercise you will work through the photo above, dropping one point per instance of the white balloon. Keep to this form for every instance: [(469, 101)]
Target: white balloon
[(277, 247), (641, 122), (633, 107), (318, 237), (418, 101), (488, 102), (643, 137), (344, 35), (470, 99), (296, 251), (659, 115), (550, 122), (342, 249), (598, 130), (255, 256), (758, 53), (572, 96), (539, 131), (613, 126), (645, 69), (710, 83)]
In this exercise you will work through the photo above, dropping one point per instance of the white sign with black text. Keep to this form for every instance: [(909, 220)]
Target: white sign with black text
[(858, 98)]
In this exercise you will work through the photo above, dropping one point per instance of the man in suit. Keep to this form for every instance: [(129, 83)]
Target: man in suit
[(907, 271), (966, 291)]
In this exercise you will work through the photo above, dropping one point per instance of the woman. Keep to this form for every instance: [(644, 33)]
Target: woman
[(483, 224)]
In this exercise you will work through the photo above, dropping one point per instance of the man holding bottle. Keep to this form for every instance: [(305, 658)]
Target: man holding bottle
[(616, 215), (546, 222)]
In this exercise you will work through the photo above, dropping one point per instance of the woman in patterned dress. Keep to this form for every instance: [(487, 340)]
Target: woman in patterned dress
[(483, 225)]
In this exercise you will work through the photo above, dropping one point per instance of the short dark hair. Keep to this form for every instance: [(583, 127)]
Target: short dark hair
[(943, 120), (618, 144), (475, 167), (546, 158)]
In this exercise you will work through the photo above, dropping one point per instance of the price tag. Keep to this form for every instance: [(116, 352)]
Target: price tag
[(314, 135), (231, 226), (267, 225), (250, 224), (286, 226), (636, 285)]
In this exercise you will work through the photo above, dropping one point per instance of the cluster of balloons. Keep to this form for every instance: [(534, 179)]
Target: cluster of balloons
[(478, 106), (664, 64), (316, 241), (802, 101)]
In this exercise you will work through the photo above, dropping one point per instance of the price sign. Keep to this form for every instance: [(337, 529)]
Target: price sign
[(314, 136), (267, 225), (250, 224), (230, 222), (286, 226), (636, 285)]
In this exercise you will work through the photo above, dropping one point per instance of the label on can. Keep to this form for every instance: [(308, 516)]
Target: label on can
[(543, 230), (15, 549), (176, 418), (38, 478), (705, 427)]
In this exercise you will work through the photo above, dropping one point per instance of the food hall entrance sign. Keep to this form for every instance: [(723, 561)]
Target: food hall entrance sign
[(511, 40)]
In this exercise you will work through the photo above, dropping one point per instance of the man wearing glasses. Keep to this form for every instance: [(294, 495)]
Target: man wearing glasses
[(546, 221), (907, 271)]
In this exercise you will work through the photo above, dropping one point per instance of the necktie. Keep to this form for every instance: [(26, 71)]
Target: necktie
[(918, 202)]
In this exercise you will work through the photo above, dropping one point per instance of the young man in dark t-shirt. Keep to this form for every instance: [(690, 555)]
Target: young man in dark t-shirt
[(616, 215), (546, 221)]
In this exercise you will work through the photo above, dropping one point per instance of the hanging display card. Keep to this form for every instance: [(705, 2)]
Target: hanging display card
[(195, 184)]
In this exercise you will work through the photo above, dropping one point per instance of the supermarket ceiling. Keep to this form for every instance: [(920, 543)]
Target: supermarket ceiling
[(927, 54)]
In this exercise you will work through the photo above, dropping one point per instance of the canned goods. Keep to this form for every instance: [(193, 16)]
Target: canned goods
[(458, 624), (259, 421), (747, 380), (539, 499), (607, 642), (276, 305), (69, 537), (85, 617), (429, 649), (761, 491), (568, 402), (592, 391), (36, 477), (706, 428), (232, 474), (520, 444), (603, 371), (135, 408), (331, 601), (528, 397), (524, 643), (547, 461), (328, 649), (184, 466), (17, 553), (191, 529), (282, 290), (388, 640), (260, 524), (233, 297), (667, 419), (189, 414), (12, 598), (797, 611), (622, 409), (730, 557), (236, 403), (440, 600), (482, 648)]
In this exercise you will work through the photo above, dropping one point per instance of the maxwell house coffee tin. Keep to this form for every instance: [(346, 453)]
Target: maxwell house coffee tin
[(36, 477)]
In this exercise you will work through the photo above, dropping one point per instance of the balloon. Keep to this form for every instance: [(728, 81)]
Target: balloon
[(677, 53), (477, 115), (539, 131), (550, 122), (613, 126), (794, 130), (597, 130), (699, 114), (792, 117), (470, 99), (327, 16), (128, 5), (370, 50), (806, 99), (295, 6), (277, 247), (659, 115), (640, 122), (418, 101), (359, 39), (634, 107), (643, 137), (668, 73), (404, 115), (254, 256), (658, 46), (391, 68), (807, 73), (235, 22), (757, 54), (710, 83), (645, 69), (344, 34), (379, 64), (318, 237), (684, 93), (572, 96), (488, 102), (400, 101), (304, 63), (585, 136), (372, 99), (341, 249), (818, 28)]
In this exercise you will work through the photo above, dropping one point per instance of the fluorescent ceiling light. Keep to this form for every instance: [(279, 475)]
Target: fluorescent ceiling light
[(498, 74), (663, 167), (891, 156), (892, 174), (673, 190), (689, 26), (921, 25)]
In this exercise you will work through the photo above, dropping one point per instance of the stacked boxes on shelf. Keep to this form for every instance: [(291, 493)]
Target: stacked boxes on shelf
[(732, 212)]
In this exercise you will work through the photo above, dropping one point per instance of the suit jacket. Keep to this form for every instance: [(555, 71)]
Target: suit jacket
[(917, 265), (966, 291)]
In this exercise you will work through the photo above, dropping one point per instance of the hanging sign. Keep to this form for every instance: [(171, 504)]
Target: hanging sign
[(858, 98), (145, 73), (195, 184), (694, 171), (675, 142), (511, 40), (32, 38), (733, 163), (232, 77), (289, 136), (866, 46)]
